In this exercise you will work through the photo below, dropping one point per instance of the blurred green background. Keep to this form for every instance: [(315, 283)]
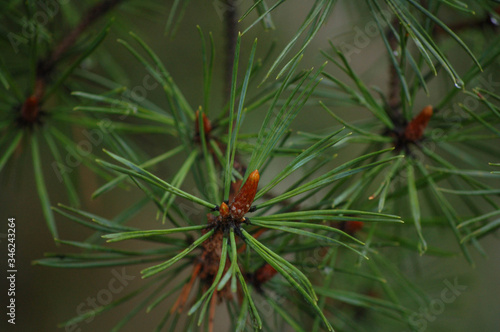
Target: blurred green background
[(46, 297)]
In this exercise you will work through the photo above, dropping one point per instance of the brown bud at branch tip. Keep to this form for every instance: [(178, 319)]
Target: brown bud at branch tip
[(415, 129), (244, 198)]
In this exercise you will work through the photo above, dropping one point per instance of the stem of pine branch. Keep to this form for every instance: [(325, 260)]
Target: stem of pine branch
[(231, 35), (46, 66), (30, 109), (394, 83)]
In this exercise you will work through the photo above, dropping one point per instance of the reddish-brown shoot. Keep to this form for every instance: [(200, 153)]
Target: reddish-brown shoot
[(30, 109), (243, 200), (207, 125), (415, 129)]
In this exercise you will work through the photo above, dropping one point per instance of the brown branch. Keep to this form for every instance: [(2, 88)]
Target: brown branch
[(93, 14), (394, 100), (487, 21), (30, 110), (394, 88), (231, 35)]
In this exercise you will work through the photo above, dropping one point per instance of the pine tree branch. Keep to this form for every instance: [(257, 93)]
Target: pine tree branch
[(394, 83), (46, 66), (231, 35), (30, 109)]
